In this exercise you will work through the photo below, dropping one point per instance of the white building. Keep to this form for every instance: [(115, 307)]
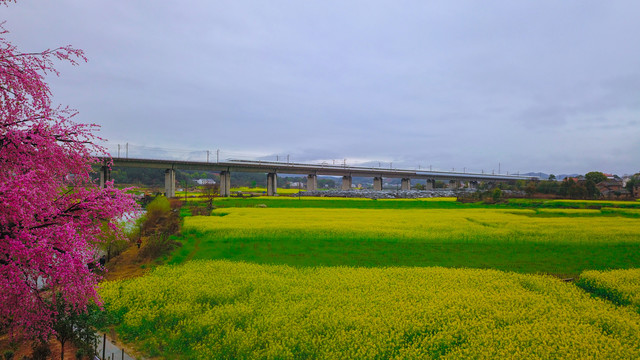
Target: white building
[(206, 182)]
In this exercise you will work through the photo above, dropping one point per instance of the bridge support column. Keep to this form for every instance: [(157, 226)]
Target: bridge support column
[(170, 183), (406, 184), (346, 182), (225, 183), (312, 182), (272, 184), (105, 175), (429, 184), (377, 183)]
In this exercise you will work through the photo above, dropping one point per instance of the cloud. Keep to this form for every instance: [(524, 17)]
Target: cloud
[(456, 84)]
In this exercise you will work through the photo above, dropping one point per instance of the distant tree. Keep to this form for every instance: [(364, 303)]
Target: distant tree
[(591, 189), (632, 183), (595, 176), (496, 195), (326, 183), (552, 177), (419, 186), (548, 187), (530, 189), (439, 184), (210, 191)]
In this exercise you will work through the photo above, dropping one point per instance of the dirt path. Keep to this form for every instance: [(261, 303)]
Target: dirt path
[(126, 265)]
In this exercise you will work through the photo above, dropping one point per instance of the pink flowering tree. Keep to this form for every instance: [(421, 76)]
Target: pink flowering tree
[(51, 212)]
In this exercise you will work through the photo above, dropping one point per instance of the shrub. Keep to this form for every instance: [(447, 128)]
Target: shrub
[(41, 350), (162, 217), (200, 211), (157, 245)]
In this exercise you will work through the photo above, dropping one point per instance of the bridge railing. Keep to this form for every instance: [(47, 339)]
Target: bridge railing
[(135, 151)]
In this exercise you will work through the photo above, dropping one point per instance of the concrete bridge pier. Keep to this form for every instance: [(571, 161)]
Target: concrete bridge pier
[(377, 183), (346, 182), (430, 184), (105, 175), (406, 184), (225, 183), (170, 183), (272, 184), (312, 182)]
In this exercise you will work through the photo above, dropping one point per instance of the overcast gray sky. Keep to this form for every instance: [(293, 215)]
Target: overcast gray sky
[(550, 86)]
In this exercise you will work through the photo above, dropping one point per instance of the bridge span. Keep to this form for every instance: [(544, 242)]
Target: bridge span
[(272, 169)]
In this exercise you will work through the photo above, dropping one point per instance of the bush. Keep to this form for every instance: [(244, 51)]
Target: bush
[(162, 217), (200, 211), (41, 350), (496, 195), (8, 355), (157, 245)]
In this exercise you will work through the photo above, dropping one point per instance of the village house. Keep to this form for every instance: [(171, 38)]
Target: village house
[(612, 188)]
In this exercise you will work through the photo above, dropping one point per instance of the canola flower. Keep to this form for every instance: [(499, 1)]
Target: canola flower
[(619, 286), (227, 310), (422, 225)]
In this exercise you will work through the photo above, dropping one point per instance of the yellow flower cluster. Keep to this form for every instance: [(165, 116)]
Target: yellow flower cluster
[(619, 286), (228, 310), (461, 225)]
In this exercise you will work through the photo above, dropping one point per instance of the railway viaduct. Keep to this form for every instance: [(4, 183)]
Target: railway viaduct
[(310, 170)]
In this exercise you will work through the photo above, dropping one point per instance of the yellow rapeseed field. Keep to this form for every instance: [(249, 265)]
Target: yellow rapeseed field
[(620, 286), (472, 225), (231, 310)]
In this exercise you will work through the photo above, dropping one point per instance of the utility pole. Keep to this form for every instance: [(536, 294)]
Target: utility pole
[(218, 155), (118, 150), (499, 168), (344, 162), (287, 158), (127, 147), (207, 155)]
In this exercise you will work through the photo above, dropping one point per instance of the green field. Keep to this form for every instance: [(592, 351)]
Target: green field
[(319, 278), (426, 203), (440, 232)]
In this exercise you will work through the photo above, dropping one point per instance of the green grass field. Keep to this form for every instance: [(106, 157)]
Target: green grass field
[(438, 232)]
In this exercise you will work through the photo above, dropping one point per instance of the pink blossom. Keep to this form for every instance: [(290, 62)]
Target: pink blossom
[(49, 221)]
